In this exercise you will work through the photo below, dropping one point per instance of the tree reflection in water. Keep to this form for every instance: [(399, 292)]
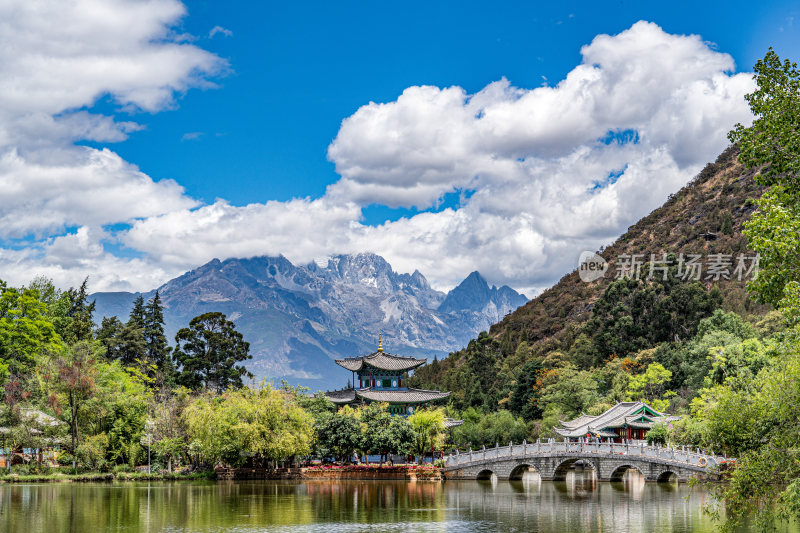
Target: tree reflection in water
[(578, 504)]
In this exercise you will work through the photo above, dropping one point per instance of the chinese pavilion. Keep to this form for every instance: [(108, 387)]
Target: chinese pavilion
[(383, 377), (624, 421)]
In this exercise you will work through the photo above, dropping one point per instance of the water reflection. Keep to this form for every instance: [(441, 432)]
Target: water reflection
[(578, 504), (530, 483)]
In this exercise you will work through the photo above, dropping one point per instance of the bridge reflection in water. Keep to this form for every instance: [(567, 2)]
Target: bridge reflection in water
[(581, 503)]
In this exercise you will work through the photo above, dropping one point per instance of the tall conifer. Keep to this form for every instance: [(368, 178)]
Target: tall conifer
[(158, 350), (137, 315), (80, 313)]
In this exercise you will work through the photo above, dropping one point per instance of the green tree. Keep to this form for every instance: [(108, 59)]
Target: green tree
[(123, 342), (263, 423), (108, 334), (657, 434), (207, 352), (71, 381), (738, 364), (761, 423), (568, 391), (488, 430), (634, 314), (92, 451), (80, 312), (167, 421), (340, 434), (14, 395), (374, 419), (119, 407), (481, 356), (772, 146), (649, 385), (56, 301), (523, 397), (383, 433), (400, 437), (138, 313), (25, 331), (158, 350), (690, 362), (428, 427)]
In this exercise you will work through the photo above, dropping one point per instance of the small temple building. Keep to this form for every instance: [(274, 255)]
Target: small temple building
[(624, 421), (383, 377)]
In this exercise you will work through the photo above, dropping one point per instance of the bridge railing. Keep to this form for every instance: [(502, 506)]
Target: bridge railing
[(681, 455)]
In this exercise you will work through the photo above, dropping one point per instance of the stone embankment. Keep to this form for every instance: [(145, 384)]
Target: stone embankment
[(355, 472)]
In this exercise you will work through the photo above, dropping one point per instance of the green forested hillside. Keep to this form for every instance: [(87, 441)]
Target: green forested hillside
[(608, 331)]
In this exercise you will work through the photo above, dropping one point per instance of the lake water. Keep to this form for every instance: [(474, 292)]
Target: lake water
[(578, 505)]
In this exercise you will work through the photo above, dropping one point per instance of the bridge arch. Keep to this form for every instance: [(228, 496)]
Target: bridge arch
[(619, 473), (560, 473), (485, 475), (518, 471), (667, 476)]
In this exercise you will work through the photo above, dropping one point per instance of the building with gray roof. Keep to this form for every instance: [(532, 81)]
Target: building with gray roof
[(624, 421)]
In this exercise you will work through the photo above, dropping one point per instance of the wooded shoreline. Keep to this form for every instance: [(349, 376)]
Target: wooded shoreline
[(387, 472)]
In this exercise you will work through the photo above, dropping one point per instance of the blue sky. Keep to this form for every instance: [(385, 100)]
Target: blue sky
[(132, 155), (299, 68)]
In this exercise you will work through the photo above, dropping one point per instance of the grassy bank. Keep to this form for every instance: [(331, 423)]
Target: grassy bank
[(104, 476)]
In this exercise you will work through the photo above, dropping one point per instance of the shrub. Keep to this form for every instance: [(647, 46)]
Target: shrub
[(657, 434), (91, 453)]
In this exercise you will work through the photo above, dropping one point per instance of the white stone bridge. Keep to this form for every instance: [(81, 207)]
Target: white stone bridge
[(552, 460)]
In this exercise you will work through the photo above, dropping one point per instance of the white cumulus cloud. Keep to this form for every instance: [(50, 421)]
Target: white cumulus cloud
[(59, 58), (543, 173)]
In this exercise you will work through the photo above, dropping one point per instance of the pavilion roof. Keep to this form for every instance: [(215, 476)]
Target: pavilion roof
[(451, 423), (630, 414), (344, 396), (36, 418), (578, 421), (401, 396), (380, 360), (341, 396)]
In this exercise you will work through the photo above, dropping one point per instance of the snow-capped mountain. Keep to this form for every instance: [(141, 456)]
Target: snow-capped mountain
[(299, 318)]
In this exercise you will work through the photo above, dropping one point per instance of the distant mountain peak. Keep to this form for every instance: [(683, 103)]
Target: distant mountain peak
[(298, 318), (475, 294)]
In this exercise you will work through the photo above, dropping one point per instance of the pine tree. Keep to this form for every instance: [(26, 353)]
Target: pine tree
[(80, 314), (157, 346), (207, 352), (109, 334), (137, 315), (123, 342)]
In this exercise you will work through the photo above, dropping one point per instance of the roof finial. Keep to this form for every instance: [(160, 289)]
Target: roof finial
[(380, 343)]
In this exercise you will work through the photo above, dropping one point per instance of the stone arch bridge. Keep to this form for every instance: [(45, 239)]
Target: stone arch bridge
[(552, 460)]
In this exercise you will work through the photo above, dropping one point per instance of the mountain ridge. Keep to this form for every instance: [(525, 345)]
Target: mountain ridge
[(299, 318), (704, 217)]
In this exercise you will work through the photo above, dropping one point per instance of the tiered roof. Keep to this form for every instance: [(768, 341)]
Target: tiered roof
[(624, 414), (386, 362), (392, 396), (381, 361)]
